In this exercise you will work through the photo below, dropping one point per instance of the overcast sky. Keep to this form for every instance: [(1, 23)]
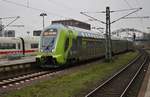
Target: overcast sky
[(29, 11)]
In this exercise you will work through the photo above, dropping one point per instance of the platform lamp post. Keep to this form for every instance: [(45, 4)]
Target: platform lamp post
[(43, 15)]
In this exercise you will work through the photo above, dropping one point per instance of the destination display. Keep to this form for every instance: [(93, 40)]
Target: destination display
[(50, 32)]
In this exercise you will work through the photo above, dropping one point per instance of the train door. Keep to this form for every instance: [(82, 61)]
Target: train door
[(22, 46), (68, 44)]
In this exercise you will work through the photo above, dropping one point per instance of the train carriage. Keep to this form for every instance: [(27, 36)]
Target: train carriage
[(61, 44), (10, 46)]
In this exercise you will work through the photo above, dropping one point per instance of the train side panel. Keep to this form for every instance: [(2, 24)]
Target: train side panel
[(10, 46), (76, 45)]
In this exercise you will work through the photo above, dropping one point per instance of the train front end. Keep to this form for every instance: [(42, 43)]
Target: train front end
[(52, 53), (46, 57)]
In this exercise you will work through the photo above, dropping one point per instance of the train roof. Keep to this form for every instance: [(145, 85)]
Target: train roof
[(92, 34), (17, 39), (55, 26), (83, 32), (86, 33), (32, 39)]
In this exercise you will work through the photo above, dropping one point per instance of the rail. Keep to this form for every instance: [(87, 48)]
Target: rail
[(118, 84)]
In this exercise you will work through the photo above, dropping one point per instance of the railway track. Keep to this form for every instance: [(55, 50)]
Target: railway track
[(14, 70), (15, 75), (9, 82), (118, 85), (18, 69), (23, 78)]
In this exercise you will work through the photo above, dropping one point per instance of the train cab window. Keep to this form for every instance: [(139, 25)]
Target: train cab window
[(48, 39), (66, 44)]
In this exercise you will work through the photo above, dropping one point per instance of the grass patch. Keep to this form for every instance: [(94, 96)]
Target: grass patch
[(71, 84)]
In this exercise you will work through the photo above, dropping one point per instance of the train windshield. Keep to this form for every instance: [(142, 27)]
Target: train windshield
[(48, 40)]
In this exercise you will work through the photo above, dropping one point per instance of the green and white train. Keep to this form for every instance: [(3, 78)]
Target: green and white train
[(61, 44)]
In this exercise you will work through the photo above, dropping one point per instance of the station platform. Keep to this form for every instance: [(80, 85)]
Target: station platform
[(147, 92), (145, 88), (17, 61)]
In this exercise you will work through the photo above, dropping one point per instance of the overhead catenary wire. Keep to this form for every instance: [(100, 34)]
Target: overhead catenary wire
[(128, 3), (112, 11), (126, 15), (60, 4), (66, 7), (28, 3), (11, 22), (137, 2), (141, 15), (93, 18), (135, 13), (136, 10), (8, 17), (33, 8)]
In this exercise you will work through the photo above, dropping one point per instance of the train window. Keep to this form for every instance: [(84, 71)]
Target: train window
[(13, 46), (84, 43), (90, 44), (0, 45), (34, 45), (66, 44), (74, 45), (7, 46), (79, 42)]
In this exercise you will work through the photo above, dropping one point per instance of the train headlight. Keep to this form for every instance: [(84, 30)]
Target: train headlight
[(52, 50)]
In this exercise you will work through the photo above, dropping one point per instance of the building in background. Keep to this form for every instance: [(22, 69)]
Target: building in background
[(1, 30), (37, 32), (75, 23), (144, 41)]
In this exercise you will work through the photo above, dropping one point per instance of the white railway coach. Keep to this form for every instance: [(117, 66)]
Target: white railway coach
[(18, 46)]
